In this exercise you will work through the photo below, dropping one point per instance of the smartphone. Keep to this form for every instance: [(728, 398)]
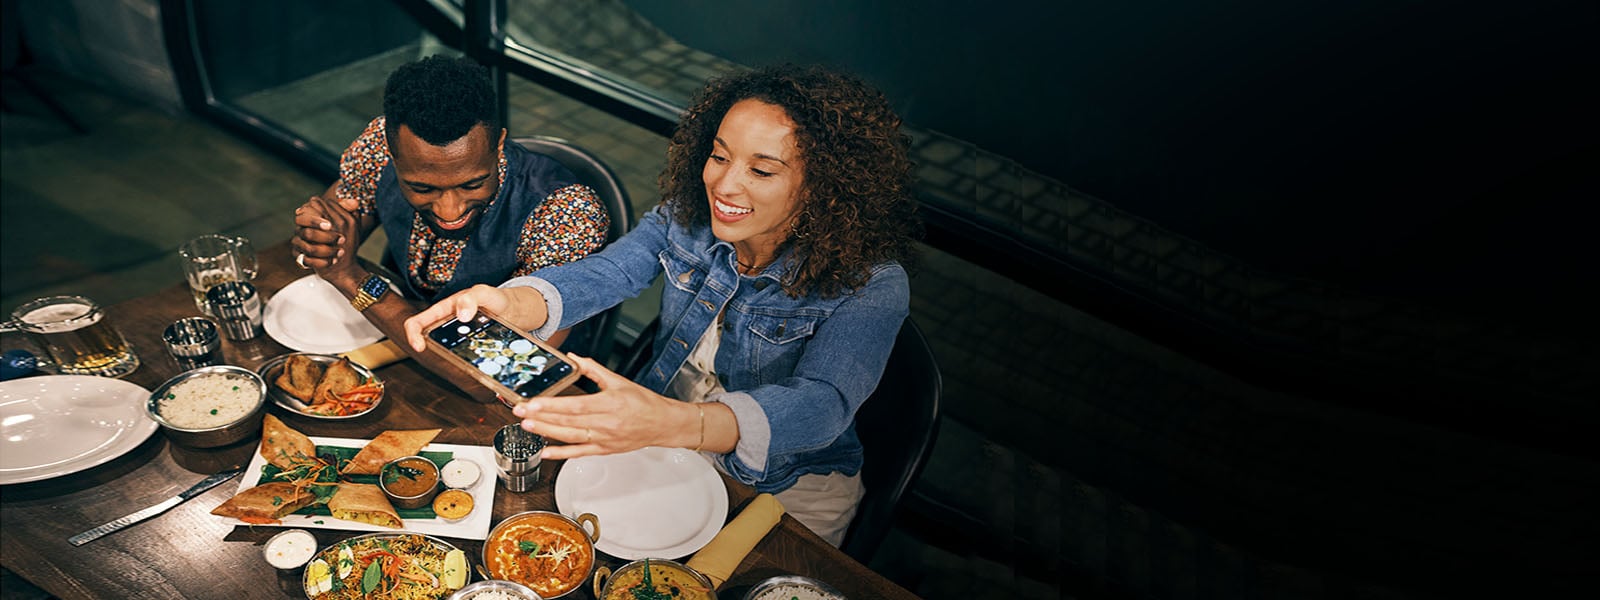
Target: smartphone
[(512, 363)]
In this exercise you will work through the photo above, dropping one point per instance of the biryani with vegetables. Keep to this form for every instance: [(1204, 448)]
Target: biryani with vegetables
[(388, 567)]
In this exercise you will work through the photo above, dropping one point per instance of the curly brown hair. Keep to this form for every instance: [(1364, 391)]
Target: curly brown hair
[(857, 208)]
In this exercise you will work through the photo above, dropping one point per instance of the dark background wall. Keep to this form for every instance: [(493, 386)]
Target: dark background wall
[(1439, 152), (253, 46)]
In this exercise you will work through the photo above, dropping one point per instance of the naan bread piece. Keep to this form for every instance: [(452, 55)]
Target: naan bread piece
[(300, 376), (283, 446), (363, 503), (388, 446), (266, 503), (338, 379)]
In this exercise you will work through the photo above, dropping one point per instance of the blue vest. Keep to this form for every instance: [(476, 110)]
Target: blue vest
[(491, 252)]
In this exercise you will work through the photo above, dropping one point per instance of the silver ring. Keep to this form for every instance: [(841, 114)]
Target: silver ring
[(300, 259)]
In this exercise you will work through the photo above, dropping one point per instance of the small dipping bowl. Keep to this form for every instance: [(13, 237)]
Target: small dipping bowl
[(409, 481), (460, 473), (290, 549)]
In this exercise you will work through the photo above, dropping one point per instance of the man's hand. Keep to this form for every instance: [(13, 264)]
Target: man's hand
[(326, 238)]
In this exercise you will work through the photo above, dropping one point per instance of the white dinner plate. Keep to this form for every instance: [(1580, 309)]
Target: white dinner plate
[(58, 424), (310, 315), (651, 502)]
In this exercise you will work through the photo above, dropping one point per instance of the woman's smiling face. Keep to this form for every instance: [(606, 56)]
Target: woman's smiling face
[(753, 179)]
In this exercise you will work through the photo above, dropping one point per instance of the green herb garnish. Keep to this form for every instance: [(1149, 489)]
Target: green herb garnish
[(371, 578), (277, 500), (395, 473), (647, 590), (213, 411), (528, 548)]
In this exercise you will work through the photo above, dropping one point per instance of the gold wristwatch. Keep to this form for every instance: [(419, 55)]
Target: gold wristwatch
[(371, 290)]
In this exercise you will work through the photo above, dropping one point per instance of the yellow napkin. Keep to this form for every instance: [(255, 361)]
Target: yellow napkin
[(725, 551), (376, 354)]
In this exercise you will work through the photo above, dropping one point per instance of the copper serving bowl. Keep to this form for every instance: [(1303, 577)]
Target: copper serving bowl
[(547, 551), (689, 583)]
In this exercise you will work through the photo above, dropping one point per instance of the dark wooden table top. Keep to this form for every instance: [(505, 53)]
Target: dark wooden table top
[(189, 553)]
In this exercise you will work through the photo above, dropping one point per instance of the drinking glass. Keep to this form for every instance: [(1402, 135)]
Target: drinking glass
[(212, 259), (76, 336)]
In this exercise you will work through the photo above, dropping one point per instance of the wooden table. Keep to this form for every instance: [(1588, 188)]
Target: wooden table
[(189, 553)]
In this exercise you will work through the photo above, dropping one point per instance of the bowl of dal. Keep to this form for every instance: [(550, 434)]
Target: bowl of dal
[(209, 406)]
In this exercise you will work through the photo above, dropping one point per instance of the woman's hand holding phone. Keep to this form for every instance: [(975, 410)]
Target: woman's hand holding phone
[(622, 416), (519, 306)]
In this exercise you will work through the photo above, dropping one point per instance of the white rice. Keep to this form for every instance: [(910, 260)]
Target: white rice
[(495, 595), (210, 400), (789, 591)]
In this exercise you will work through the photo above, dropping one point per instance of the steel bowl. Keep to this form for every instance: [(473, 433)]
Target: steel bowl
[(419, 500), (511, 588), (244, 427), (772, 585)]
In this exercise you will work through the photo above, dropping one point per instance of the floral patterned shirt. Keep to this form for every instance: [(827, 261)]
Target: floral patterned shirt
[(568, 225)]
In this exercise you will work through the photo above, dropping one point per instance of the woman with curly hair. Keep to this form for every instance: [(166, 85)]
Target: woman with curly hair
[(785, 220)]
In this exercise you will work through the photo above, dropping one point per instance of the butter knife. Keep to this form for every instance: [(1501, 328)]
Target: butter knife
[(164, 506)]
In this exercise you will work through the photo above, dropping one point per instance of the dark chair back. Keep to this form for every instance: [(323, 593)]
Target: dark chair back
[(897, 425), (593, 338)]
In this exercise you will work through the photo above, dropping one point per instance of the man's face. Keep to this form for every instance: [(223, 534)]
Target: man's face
[(449, 185)]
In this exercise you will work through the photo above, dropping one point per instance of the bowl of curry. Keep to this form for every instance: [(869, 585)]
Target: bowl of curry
[(409, 481), (547, 551), (653, 578)]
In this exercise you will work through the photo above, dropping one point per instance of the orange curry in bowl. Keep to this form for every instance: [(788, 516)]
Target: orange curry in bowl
[(543, 550)]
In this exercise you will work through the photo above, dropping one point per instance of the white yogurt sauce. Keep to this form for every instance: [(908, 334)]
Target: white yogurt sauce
[(290, 549), (459, 473)]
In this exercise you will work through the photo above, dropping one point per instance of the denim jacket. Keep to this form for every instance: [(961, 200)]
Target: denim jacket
[(795, 369)]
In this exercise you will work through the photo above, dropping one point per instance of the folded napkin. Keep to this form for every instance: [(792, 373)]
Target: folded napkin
[(725, 551), (376, 354)]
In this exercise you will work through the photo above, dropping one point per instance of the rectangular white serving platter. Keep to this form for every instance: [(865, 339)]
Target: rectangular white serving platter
[(475, 526)]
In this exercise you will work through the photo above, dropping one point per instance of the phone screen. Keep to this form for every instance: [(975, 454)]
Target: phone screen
[(503, 354)]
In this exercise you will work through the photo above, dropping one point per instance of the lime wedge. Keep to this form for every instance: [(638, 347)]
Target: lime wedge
[(455, 570)]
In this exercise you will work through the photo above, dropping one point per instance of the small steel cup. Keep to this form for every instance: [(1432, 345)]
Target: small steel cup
[(516, 457), (193, 343), (237, 305)]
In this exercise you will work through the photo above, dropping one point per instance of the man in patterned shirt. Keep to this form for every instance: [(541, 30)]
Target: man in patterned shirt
[(458, 204)]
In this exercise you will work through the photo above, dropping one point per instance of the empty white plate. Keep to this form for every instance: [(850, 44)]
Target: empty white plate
[(310, 315), (59, 424), (651, 502)]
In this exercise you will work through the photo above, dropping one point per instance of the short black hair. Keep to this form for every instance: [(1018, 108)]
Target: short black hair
[(440, 98)]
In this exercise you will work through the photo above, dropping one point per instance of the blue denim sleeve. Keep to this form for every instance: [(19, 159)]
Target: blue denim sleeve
[(841, 365), (584, 288)]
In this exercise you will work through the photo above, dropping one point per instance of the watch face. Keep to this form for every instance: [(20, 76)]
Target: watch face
[(375, 286)]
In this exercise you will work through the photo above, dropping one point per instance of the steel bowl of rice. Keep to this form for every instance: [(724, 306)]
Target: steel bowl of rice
[(210, 406), (495, 589), (792, 587)]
